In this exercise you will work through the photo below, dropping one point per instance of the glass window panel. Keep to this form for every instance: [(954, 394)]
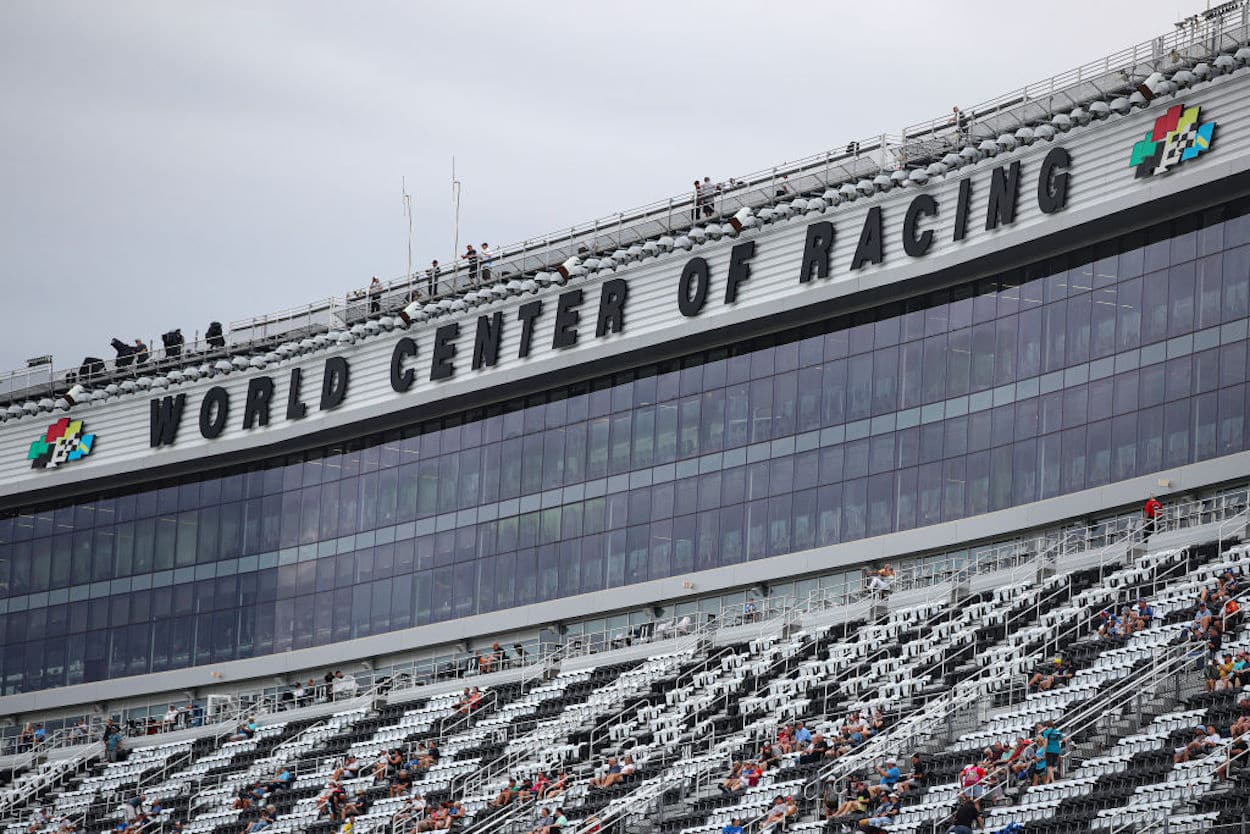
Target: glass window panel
[(1154, 324), (1232, 411), (833, 393), (1236, 281)]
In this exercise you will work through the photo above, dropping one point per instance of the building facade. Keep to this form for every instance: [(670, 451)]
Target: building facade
[(1057, 327)]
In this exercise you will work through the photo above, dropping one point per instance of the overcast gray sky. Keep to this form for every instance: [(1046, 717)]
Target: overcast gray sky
[(170, 163)]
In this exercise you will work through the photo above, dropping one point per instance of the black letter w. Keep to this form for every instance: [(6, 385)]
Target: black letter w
[(166, 417)]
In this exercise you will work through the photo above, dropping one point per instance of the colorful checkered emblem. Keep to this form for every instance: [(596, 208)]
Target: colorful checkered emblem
[(1176, 137), (64, 442)]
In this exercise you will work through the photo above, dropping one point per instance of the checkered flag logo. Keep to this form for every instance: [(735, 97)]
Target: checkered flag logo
[(63, 442), (1177, 136)]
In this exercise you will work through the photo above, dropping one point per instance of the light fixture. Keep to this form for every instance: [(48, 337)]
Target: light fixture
[(682, 242), (1044, 132), (74, 394), (1225, 63), (1061, 121), (566, 268), (988, 147), (1183, 78), (1121, 105), (919, 176), (1149, 88), (665, 242)]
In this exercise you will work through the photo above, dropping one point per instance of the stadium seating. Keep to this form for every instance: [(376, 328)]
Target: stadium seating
[(939, 674)]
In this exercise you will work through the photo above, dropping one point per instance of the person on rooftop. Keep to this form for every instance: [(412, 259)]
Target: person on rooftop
[(375, 296), (473, 259)]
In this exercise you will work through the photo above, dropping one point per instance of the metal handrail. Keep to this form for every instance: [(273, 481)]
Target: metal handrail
[(1176, 659), (507, 761)]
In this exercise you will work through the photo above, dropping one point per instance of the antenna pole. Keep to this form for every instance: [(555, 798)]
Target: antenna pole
[(455, 197), (408, 213)]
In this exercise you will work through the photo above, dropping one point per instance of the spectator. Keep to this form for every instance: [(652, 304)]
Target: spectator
[(557, 787), (1059, 671), (487, 256), (400, 782), (1204, 741), (173, 343), (245, 731), (281, 780), (412, 809), (881, 581), (884, 814), (733, 782), (857, 802), (125, 353), (734, 827), (708, 195), (815, 750), (80, 730), (506, 794), (802, 735), (1054, 748), (750, 611), (966, 816), (1151, 512), (890, 774), (431, 757), (783, 186), (917, 776), (375, 296), (264, 821), (473, 260), (970, 781), (214, 336), (1042, 774), (431, 276), (698, 202), (141, 352)]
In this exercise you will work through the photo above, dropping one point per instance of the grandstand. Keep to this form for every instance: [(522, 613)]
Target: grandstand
[(859, 550)]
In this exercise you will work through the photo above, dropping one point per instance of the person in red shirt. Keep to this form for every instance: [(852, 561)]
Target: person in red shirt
[(1151, 512)]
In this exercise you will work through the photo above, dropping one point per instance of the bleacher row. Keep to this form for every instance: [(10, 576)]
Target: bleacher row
[(938, 676)]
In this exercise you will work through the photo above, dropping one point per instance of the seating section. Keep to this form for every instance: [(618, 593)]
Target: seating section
[(646, 742)]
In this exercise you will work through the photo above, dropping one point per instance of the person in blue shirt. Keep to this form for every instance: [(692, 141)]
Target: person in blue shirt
[(1054, 746), (802, 735), (1041, 773), (890, 774), (734, 827)]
